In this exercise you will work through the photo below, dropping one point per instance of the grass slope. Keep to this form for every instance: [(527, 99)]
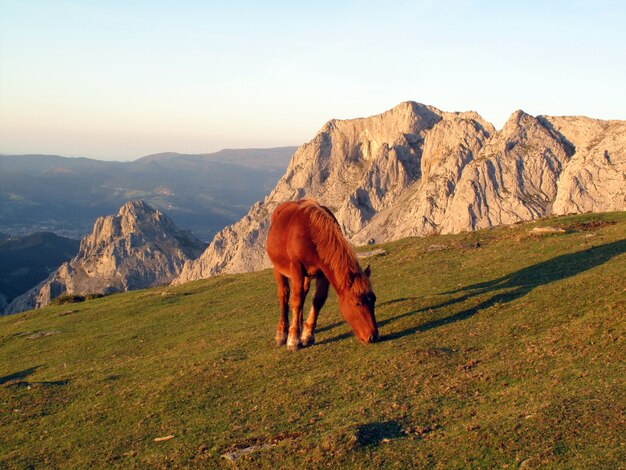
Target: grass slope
[(500, 348)]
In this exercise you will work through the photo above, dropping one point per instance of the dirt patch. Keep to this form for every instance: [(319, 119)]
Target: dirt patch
[(590, 225)]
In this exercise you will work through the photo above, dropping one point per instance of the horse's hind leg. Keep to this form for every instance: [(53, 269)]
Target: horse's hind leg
[(321, 293), (299, 288), (283, 299), (306, 286)]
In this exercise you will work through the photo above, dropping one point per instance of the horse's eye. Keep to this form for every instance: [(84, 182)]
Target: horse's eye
[(358, 304)]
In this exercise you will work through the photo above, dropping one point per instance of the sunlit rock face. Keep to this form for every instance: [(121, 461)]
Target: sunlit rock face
[(415, 170)]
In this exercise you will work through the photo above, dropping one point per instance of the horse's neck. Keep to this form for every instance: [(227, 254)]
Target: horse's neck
[(332, 279), (338, 272)]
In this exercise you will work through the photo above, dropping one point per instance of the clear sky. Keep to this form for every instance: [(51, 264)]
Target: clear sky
[(121, 79)]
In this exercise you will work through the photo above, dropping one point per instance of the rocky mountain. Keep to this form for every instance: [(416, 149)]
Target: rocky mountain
[(416, 170), (202, 193), (137, 248)]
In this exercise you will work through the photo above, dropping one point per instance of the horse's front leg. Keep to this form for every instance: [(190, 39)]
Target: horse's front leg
[(321, 293), (299, 288), (283, 299)]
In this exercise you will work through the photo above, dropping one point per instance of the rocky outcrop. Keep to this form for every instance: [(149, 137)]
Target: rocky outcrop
[(595, 178), (137, 248), (513, 178), (356, 167), (415, 170), (449, 146)]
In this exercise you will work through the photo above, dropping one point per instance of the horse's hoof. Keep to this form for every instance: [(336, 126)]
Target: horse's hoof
[(308, 341), (293, 347), (281, 339)]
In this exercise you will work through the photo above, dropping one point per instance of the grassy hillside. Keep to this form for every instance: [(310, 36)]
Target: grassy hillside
[(500, 348)]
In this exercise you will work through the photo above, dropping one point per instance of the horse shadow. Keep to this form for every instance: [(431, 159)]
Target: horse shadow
[(516, 285)]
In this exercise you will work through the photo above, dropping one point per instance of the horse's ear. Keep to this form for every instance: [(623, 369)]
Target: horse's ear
[(368, 271)]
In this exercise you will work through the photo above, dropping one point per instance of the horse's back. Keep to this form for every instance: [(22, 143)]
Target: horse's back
[(289, 236), (289, 212), (280, 209)]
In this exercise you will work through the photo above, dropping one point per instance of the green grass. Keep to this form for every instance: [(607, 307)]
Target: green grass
[(499, 348)]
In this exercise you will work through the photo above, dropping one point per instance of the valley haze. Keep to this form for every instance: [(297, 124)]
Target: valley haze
[(200, 192)]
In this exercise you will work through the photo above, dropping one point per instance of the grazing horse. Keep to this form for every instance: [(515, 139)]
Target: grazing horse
[(305, 242)]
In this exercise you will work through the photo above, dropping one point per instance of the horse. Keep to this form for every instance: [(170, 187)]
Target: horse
[(305, 242)]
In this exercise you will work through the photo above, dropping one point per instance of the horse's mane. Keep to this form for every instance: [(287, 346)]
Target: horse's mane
[(333, 248)]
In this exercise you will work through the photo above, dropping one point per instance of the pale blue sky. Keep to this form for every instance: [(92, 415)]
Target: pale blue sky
[(121, 79)]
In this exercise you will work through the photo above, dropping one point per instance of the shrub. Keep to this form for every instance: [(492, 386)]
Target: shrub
[(68, 299)]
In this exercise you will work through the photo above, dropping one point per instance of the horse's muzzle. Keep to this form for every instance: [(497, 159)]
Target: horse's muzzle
[(372, 338)]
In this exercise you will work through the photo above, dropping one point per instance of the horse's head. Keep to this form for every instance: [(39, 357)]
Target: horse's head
[(357, 306)]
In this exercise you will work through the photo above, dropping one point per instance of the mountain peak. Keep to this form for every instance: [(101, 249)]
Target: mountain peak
[(136, 204), (137, 248), (518, 117), (136, 208)]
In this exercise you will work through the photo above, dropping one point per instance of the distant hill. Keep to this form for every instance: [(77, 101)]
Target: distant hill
[(252, 158), (202, 193), (26, 261), (500, 348)]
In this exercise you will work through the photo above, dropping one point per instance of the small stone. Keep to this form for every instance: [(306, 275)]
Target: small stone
[(368, 254), (546, 230), (525, 464), (43, 334)]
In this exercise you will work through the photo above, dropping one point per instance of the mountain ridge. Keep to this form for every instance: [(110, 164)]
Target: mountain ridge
[(415, 170), (203, 193)]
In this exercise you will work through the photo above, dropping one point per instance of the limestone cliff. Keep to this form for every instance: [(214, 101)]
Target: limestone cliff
[(513, 178), (595, 178), (137, 248), (356, 167), (415, 170), (448, 148)]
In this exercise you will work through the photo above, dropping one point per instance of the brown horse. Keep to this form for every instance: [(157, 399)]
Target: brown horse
[(305, 242)]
